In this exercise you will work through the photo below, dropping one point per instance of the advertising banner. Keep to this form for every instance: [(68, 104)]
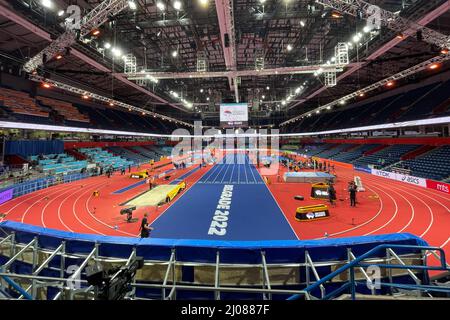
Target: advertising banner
[(401, 177), (6, 195), (439, 186)]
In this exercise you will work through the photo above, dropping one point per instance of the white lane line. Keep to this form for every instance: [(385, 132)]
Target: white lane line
[(37, 201), (53, 199), (390, 220), (99, 186), (281, 211), (225, 174), (380, 210)]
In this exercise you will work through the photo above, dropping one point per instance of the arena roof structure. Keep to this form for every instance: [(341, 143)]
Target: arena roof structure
[(183, 58)]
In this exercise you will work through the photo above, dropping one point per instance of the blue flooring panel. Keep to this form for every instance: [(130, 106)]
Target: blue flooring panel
[(253, 213)]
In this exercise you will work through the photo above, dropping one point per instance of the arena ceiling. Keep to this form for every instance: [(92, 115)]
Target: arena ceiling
[(285, 34)]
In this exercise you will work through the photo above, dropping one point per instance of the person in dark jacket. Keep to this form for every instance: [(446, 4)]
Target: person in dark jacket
[(352, 191), (145, 227)]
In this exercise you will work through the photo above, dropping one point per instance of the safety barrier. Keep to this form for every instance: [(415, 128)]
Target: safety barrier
[(23, 188), (189, 269)]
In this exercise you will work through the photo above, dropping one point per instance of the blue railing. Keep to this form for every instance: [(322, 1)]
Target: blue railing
[(357, 263), (26, 187)]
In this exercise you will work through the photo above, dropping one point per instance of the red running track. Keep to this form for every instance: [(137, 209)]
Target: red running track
[(386, 206)]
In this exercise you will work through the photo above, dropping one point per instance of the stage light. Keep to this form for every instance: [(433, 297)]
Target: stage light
[(203, 3), (434, 66), (400, 36), (111, 104), (85, 97), (96, 32), (263, 96), (329, 108), (161, 6), (207, 99), (342, 102), (267, 88), (390, 84), (336, 15), (132, 5), (289, 47), (59, 57), (107, 45), (46, 85), (177, 5), (201, 90), (444, 51), (362, 94), (367, 29), (297, 90), (116, 52), (302, 23), (47, 3), (61, 13), (174, 53), (356, 38)]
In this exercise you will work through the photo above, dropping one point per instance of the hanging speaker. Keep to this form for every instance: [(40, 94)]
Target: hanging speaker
[(226, 40)]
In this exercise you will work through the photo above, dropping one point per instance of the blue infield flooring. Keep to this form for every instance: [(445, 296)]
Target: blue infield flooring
[(253, 213)]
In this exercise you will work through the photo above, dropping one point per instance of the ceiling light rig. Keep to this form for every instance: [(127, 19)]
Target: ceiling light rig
[(47, 83), (388, 83)]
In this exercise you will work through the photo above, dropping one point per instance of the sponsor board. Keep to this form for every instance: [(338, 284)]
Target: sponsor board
[(439, 186), (363, 169), (315, 215), (401, 177), (6, 195)]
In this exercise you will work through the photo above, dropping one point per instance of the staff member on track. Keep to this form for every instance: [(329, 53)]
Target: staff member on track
[(145, 227)]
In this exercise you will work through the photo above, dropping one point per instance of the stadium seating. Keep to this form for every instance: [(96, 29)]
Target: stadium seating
[(21, 103), (419, 103), (104, 158), (132, 156), (386, 156), (354, 153), (432, 165), (65, 109), (58, 163)]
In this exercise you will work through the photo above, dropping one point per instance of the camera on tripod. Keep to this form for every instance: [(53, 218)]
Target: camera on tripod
[(114, 284), (128, 212)]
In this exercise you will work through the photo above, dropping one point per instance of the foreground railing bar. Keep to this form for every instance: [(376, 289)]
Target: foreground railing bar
[(11, 260), (224, 289), (352, 256), (7, 238), (415, 278), (316, 274), (357, 262)]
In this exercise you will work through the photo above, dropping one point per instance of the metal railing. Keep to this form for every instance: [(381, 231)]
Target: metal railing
[(70, 284), (358, 263)]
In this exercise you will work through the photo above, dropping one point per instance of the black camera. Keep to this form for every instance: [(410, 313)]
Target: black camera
[(115, 283), (128, 212)]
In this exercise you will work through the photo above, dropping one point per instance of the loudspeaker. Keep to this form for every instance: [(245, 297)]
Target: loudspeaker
[(226, 37)]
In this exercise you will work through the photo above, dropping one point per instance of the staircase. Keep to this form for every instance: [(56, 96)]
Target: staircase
[(415, 153), (77, 155), (374, 150)]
